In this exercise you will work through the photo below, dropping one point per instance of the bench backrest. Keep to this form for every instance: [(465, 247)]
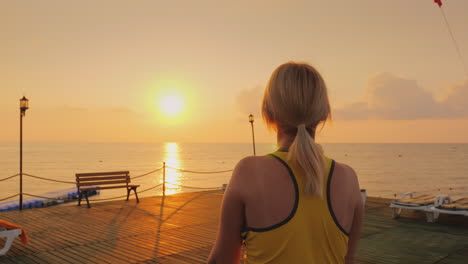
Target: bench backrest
[(102, 178)]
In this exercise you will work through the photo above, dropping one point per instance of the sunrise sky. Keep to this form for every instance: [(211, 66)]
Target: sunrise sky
[(192, 71)]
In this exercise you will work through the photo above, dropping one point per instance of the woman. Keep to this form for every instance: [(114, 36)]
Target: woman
[(295, 205)]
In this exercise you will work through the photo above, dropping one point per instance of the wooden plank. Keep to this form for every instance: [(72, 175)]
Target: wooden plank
[(96, 183), (184, 229), (103, 188), (23, 260), (102, 173), (460, 204), (87, 179)]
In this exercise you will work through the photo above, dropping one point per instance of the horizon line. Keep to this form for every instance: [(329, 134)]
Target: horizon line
[(240, 142)]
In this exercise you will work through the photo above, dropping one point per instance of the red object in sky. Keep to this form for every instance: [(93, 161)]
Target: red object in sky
[(439, 2)]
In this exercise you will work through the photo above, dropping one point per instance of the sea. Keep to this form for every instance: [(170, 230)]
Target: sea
[(384, 170)]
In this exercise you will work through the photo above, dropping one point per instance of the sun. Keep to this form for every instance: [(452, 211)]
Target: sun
[(171, 105)]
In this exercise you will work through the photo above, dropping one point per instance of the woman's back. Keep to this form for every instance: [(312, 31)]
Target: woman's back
[(284, 225)]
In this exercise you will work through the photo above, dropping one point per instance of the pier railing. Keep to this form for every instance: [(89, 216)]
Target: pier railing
[(163, 184)]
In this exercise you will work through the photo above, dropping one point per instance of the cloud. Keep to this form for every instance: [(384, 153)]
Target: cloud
[(390, 97), (457, 98), (250, 100)]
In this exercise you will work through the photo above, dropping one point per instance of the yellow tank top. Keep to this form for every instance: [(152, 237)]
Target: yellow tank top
[(310, 234)]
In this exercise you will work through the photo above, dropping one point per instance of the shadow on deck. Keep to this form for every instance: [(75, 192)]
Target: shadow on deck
[(181, 228)]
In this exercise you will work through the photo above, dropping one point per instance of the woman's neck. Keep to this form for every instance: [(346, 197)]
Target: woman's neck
[(284, 140)]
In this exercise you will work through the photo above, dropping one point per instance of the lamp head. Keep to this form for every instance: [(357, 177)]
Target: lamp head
[(24, 105)]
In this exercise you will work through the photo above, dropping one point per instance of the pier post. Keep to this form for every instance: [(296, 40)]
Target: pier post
[(251, 120), (24, 105), (164, 178), (21, 164)]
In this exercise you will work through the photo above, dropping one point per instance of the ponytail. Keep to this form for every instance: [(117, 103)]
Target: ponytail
[(309, 157), (296, 97)]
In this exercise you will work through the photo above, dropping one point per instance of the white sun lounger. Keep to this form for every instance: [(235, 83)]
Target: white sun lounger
[(457, 207), (10, 235), (422, 202)]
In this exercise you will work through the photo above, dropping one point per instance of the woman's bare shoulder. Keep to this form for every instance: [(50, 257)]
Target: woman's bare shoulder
[(346, 174), (246, 170), (252, 163)]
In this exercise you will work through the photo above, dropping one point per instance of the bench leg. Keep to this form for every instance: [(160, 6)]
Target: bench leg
[(128, 193), (136, 195), (87, 200), (79, 198)]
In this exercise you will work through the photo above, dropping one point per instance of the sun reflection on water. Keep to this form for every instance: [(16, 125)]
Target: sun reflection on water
[(172, 159)]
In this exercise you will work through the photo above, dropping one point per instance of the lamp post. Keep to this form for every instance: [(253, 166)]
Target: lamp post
[(251, 120), (24, 105)]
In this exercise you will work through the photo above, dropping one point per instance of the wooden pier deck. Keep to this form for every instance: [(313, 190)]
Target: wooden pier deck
[(181, 228)]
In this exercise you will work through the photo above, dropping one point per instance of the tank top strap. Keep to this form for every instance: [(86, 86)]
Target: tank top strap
[(306, 201), (329, 168)]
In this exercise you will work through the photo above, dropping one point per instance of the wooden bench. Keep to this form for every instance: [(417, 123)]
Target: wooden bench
[(86, 182)]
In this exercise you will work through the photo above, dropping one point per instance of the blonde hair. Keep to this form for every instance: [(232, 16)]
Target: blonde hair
[(296, 100)]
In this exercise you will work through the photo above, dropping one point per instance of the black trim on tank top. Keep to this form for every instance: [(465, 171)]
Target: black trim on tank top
[(329, 199), (296, 202)]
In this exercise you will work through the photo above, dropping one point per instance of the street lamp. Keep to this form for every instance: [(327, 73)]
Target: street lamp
[(251, 120), (24, 105)]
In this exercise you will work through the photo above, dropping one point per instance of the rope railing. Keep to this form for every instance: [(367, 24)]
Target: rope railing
[(163, 184), (9, 177), (134, 177), (69, 182), (145, 174), (104, 199), (451, 190), (47, 179), (13, 196), (199, 172)]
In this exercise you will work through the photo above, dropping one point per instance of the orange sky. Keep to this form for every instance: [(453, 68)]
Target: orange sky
[(96, 70)]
